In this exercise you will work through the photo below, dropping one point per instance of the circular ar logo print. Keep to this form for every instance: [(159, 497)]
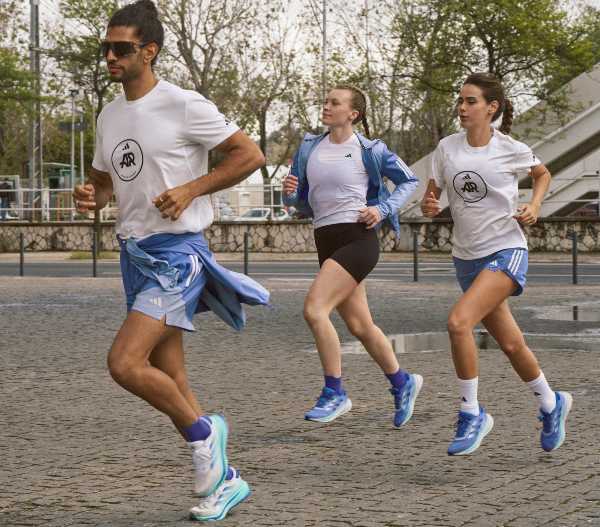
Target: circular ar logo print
[(470, 186), (127, 159)]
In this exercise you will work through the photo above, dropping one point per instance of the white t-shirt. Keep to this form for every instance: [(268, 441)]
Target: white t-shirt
[(338, 182), (153, 144), (482, 187)]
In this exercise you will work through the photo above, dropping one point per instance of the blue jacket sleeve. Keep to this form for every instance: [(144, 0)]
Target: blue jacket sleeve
[(291, 200), (406, 183)]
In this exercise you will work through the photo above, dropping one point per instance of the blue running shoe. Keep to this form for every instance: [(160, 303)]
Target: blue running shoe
[(553, 430), (404, 399), (216, 506), (470, 431), (329, 406)]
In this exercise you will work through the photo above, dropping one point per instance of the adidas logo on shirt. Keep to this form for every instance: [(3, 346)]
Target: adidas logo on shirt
[(348, 155)]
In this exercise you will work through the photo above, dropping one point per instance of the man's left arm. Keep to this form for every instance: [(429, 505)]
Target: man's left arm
[(241, 158)]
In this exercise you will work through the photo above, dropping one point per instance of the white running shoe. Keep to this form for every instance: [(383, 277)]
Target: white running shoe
[(216, 506), (210, 457)]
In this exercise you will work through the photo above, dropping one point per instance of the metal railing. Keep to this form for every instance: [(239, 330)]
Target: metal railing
[(415, 254), (239, 203), (44, 204)]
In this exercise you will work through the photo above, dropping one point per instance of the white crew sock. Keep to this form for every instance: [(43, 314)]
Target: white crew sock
[(544, 394), (468, 395)]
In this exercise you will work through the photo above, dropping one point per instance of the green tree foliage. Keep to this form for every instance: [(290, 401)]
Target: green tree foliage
[(73, 55), (16, 94), (577, 54), (15, 80), (16, 90), (78, 53), (422, 50), (260, 62)]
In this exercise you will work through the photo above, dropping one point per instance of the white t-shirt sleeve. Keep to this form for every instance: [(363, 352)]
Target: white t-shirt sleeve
[(524, 159), (437, 168), (98, 162), (204, 124)]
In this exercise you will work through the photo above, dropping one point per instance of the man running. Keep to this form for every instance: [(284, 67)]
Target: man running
[(152, 153)]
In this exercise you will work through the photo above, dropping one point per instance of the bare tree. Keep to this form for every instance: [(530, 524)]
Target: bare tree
[(271, 83), (206, 33)]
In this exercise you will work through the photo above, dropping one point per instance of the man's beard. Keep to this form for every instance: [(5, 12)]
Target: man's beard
[(124, 76)]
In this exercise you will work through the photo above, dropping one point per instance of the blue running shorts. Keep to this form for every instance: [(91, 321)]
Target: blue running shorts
[(176, 304), (173, 276), (512, 262)]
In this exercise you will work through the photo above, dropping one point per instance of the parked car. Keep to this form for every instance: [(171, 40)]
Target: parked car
[(225, 213), (256, 214), (281, 215), (263, 214)]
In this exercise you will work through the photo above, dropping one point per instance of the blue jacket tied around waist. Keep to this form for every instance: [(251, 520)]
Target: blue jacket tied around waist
[(225, 290), (379, 162)]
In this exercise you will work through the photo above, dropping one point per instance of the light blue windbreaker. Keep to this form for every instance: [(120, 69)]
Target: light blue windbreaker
[(224, 291), (379, 162)]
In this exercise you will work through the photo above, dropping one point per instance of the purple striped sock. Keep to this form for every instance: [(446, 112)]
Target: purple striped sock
[(398, 379), (199, 431), (335, 383)]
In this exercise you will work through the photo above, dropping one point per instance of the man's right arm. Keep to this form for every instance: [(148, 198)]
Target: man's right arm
[(103, 185), (95, 193)]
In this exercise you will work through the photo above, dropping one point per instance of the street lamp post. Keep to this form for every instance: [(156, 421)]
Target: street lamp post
[(93, 112), (73, 94), (322, 22), (81, 141), (324, 50), (598, 182)]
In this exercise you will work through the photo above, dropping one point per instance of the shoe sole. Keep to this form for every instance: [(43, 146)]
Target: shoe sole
[(344, 409), (489, 424), (220, 424), (241, 495), (562, 430), (419, 384)]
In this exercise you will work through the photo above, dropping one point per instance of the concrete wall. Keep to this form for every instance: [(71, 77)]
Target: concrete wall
[(293, 237)]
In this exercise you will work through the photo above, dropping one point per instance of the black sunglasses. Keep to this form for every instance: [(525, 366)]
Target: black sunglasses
[(120, 48)]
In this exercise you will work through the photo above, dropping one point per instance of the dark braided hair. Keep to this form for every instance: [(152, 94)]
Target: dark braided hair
[(507, 117), (142, 15), (359, 103), (494, 91)]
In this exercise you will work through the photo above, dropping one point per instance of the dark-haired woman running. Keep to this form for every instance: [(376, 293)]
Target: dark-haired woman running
[(480, 169)]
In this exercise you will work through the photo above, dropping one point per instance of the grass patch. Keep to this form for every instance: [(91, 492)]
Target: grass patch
[(87, 255)]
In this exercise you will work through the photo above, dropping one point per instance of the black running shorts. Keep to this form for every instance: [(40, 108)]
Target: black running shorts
[(352, 245)]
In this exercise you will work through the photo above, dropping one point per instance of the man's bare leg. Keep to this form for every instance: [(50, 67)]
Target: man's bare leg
[(168, 356), (130, 367)]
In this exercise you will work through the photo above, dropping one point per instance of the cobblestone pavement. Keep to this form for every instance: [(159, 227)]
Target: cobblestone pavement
[(78, 450)]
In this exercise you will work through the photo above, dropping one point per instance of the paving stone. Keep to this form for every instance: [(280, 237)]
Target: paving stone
[(79, 450)]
